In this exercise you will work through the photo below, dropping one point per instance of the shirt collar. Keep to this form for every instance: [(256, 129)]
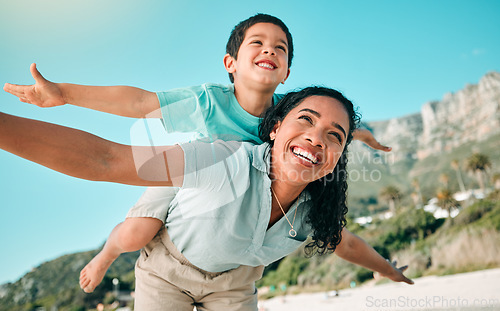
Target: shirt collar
[(261, 157)]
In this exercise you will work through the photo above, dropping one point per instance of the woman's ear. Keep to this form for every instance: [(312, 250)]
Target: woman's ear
[(275, 130), (229, 63)]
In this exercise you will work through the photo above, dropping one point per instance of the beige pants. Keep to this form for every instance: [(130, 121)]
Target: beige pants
[(166, 280)]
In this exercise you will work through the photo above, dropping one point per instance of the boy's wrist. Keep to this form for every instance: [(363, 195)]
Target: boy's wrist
[(65, 93)]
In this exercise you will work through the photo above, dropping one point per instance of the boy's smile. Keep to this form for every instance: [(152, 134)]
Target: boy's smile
[(266, 64), (262, 57)]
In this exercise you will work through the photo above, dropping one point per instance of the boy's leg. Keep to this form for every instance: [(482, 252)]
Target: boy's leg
[(143, 221), (128, 236)]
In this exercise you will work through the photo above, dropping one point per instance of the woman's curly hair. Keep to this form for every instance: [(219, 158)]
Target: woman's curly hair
[(329, 193)]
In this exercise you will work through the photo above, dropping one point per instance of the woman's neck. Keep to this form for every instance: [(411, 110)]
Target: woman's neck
[(286, 193), (283, 196)]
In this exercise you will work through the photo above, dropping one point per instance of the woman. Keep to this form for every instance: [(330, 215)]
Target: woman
[(264, 201)]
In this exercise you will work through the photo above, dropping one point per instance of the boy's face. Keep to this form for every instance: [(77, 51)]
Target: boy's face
[(262, 57)]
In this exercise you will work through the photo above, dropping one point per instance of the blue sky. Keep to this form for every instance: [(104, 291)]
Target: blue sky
[(389, 57)]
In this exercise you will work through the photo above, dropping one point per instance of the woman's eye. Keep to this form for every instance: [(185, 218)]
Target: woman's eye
[(336, 136), (307, 118)]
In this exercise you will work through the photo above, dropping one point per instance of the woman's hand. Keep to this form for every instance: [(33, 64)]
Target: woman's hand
[(367, 137), (396, 274)]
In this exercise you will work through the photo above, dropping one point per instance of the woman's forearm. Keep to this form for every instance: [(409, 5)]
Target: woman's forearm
[(353, 249), (66, 150), (84, 155)]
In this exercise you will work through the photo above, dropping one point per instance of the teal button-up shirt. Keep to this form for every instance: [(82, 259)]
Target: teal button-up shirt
[(219, 218)]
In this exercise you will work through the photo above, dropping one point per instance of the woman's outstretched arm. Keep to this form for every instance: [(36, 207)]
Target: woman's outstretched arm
[(83, 155), (353, 249)]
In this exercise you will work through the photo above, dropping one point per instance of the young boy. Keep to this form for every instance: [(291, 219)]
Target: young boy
[(258, 59)]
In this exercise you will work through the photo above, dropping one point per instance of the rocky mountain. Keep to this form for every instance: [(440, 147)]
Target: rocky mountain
[(469, 115), (452, 128)]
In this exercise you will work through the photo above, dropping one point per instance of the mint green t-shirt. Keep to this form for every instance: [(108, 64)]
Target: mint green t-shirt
[(210, 110)]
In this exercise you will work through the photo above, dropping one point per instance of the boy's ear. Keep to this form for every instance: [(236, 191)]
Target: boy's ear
[(229, 63), (287, 74)]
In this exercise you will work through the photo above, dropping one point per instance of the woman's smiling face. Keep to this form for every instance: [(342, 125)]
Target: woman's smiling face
[(310, 140)]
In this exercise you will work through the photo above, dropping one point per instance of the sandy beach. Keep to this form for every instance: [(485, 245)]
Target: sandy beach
[(479, 290)]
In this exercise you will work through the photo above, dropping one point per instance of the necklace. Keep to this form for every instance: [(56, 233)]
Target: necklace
[(292, 231)]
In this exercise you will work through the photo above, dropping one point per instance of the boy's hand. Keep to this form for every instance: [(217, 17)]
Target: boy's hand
[(43, 93), (367, 137), (396, 275)]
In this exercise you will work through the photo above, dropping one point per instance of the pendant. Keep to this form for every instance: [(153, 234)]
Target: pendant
[(292, 233)]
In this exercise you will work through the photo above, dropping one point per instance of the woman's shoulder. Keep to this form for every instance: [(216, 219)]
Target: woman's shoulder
[(235, 155), (238, 148)]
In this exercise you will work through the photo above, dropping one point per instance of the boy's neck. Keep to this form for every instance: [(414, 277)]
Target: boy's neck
[(254, 101)]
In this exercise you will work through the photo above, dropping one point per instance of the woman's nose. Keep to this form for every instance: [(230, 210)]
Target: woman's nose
[(315, 139)]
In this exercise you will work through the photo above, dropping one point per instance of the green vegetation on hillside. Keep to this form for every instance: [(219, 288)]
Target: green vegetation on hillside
[(55, 283), (368, 177)]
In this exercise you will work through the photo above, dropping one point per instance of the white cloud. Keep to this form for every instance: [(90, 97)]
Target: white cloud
[(478, 51)]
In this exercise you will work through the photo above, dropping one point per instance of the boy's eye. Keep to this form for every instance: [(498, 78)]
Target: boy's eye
[(281, 47), (256, 42)]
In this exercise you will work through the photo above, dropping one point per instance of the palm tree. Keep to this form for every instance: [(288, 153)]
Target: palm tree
[(417, 195), (444, 179), (415, 198), (456, 166), (446, 201), (390, 194), (496, 180), (478, 164)]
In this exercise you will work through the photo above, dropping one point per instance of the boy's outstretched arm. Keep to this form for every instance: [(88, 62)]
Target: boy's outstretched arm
[(83, 155), (367, 137), (120, 100), (353, 249)]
